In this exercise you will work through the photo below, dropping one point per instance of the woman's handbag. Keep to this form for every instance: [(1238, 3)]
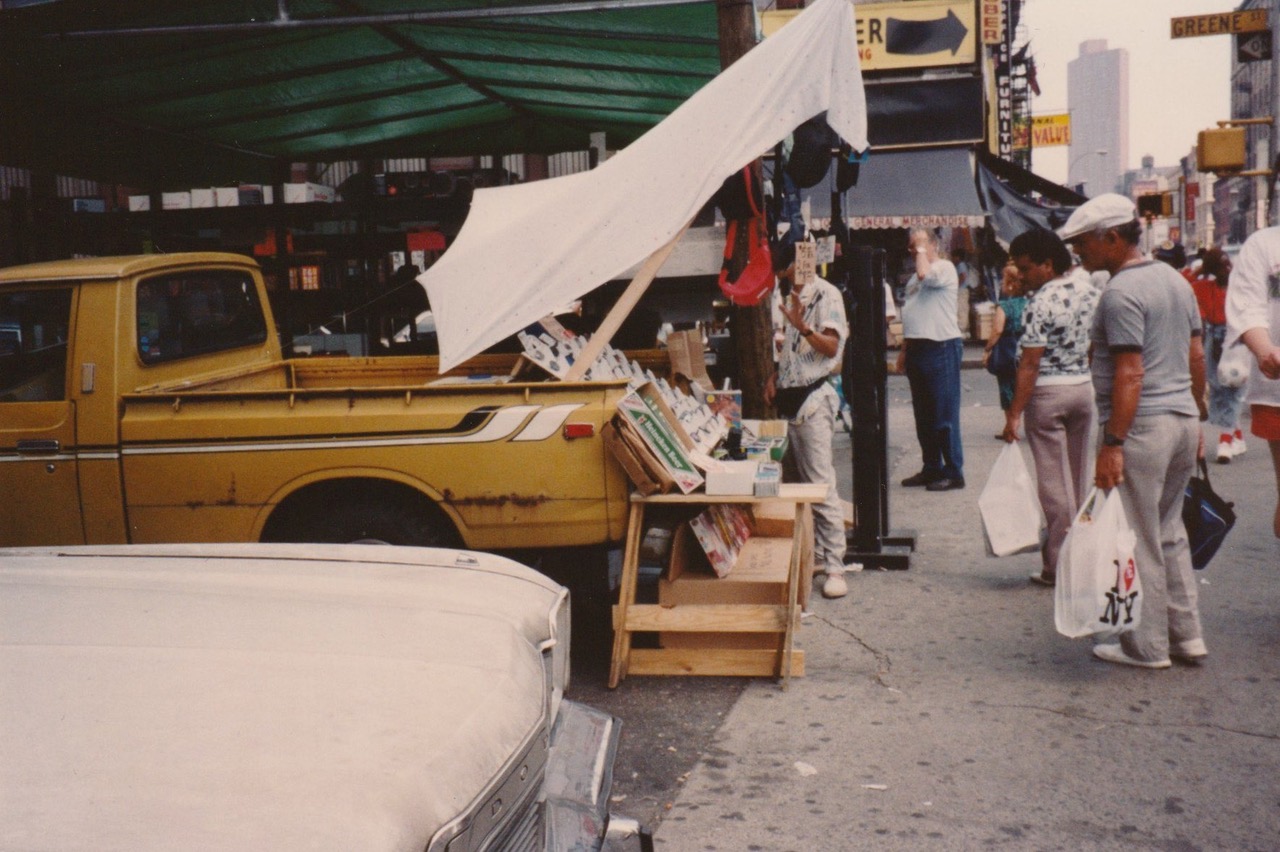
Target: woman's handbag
[(1097, 591), (1003, 358), (1207, 516)]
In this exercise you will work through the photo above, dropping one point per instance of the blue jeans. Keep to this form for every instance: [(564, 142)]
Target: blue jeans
[(1224, 402), (933, 370)]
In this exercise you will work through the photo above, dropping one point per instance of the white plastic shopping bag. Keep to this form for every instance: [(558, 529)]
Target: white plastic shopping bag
[(1097, 590), (1009, 506)]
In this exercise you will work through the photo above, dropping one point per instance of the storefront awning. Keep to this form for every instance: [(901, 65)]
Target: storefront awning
[(906, 189)]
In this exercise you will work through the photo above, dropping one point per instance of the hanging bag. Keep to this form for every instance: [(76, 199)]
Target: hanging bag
[(1003, 358), (1207, 516), (1009, 506), (1097, 590)]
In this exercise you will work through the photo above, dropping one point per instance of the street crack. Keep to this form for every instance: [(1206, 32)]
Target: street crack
[(1076, 713), (884, 665)]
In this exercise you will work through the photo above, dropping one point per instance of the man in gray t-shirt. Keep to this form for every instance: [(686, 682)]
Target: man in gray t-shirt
[(1148, 309), (1149, 384)]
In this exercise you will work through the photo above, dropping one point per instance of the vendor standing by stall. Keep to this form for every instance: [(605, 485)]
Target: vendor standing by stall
[(814, 332)]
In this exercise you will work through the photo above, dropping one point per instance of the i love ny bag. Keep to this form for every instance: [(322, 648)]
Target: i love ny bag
[(1097, 590)]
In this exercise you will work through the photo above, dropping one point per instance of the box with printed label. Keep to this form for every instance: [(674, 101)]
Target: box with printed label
[(202, 198), (139, 203), (226, 196), (305, 193), (175, 201)]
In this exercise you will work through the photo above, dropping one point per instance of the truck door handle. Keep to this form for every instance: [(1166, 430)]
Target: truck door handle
[(38, 448)]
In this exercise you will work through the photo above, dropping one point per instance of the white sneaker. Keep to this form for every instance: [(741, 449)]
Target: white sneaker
[(835, 586), (1114, 654), (1238, 447), (1225, 450), (1189, 651)]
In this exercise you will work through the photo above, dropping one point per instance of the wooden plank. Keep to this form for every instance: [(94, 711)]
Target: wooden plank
[(795, 492), (707, 618), (627, 593), (711, 661), (622, 308)]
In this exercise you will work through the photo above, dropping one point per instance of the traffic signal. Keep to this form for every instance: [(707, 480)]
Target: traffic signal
[(1155, 205), (1221, 151)]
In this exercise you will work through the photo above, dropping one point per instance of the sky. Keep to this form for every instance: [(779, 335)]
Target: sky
[(1177, 87)]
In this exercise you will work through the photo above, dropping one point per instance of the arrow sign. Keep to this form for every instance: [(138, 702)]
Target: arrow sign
[(1253, 47), (921, 37)]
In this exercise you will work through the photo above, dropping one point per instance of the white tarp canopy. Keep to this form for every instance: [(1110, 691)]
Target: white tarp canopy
[(525, 250)]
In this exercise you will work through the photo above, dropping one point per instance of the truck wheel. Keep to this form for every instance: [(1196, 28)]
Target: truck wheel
[(362, 515)]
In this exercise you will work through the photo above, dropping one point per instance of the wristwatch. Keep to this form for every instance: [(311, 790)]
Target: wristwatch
[(1109, 440)]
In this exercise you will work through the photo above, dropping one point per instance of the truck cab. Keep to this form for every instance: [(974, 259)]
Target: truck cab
[(68, 349)]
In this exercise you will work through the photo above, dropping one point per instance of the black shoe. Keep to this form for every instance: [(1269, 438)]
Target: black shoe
[(945, 485), (921, 478)]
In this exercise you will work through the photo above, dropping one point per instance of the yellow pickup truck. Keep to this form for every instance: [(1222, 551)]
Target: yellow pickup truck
[(146, 399)]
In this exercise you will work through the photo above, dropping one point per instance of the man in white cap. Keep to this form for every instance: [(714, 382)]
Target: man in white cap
[(1149, 386)]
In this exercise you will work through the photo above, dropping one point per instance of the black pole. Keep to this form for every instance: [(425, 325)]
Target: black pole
[(865, 382)]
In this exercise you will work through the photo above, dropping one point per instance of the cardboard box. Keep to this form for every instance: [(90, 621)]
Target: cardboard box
[(226, 196), (139, 203), (202, 198), (732, 477), (305, 193), (644, 414), (759, 577), (779, 518), (175, 201), (647, 478)]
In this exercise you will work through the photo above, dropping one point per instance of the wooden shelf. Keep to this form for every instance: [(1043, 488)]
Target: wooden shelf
[(782, 662)]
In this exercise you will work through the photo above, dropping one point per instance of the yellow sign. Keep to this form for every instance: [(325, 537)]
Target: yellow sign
[(1047, 130), (907, 34), (1220, 23)]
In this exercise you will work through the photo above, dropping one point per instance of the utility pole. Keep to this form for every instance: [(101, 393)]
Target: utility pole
[(1273, 148), (751, 328)]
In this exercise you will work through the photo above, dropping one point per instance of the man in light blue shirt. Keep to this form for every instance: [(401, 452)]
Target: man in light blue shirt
[(931, 353)]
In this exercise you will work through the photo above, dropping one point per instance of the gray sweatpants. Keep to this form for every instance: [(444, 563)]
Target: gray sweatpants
[(1159, 458), (809, 459)]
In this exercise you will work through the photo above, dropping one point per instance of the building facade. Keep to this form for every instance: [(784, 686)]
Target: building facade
[(1098, 99)]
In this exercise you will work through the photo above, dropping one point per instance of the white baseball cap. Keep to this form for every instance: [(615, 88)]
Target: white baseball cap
[(1106, 211)]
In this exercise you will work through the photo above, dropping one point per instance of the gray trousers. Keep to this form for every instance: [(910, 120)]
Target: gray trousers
[(1057, 422), (1159, 459), (809, 459)]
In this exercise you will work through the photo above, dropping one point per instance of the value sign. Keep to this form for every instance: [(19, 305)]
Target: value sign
[(1049, 130), (1220, 23), (909, 34)]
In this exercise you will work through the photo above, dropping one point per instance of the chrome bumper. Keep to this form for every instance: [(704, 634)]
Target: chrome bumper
[(584, 743)]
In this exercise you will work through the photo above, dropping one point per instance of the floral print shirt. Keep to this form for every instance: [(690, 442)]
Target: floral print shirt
[(1058, 317)]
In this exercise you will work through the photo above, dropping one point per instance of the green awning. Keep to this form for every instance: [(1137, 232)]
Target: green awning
[(204, 92)]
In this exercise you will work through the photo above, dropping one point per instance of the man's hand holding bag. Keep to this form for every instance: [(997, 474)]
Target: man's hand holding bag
[(1098, 591)]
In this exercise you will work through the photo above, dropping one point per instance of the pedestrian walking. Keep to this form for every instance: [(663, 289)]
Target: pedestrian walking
[(1053, 391), (1253, 317), (1148, 380), (1210, 287), (1007, 319), (931, 353)]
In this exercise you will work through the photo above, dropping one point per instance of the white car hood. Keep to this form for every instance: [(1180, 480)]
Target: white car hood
[(170, 700)]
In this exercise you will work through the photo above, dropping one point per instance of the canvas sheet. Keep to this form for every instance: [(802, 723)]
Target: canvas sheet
[(529, 249)]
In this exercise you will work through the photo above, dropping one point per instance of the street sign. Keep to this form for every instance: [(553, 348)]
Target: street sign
[(906, 34), (1253, 47), (1220, 23)]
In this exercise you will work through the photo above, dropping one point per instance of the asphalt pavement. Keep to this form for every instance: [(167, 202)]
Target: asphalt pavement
[(941, 710)]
